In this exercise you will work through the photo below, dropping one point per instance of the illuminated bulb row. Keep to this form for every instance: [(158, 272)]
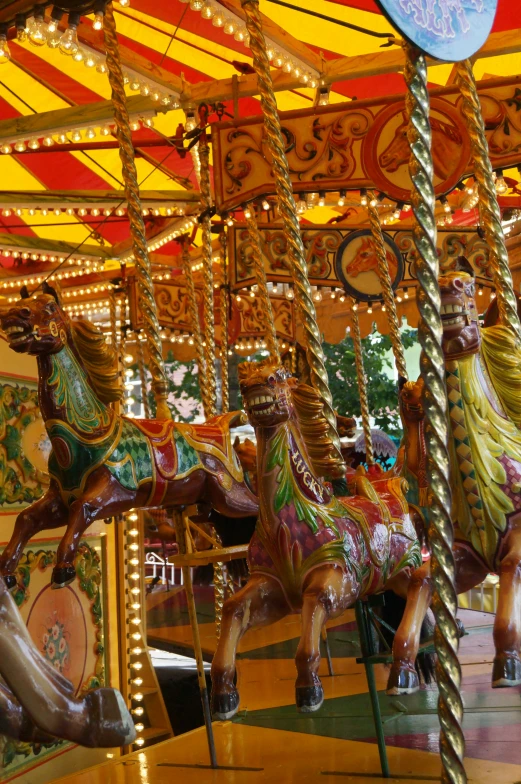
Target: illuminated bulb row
[(37, 279), (232, 25), (66, 137), (158, 242), (83, 211), (87, 291), (165, 276), (87, 307), (38, 256), (134, 619)]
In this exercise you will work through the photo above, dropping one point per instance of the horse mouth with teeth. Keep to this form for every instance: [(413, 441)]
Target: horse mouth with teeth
[(17, 332), (459, 316)]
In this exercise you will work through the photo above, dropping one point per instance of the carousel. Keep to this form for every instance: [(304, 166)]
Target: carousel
[(212, 214)]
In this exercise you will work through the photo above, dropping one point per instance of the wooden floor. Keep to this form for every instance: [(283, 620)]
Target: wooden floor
[(270, 742)]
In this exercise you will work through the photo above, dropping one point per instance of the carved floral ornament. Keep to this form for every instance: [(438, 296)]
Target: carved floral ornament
[(363, 144)]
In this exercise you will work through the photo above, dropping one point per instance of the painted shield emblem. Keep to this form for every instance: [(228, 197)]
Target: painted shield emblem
[(356, 265), (448, 30)]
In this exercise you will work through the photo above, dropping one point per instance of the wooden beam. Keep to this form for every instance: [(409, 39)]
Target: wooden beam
[(346, 68), (37, 244), (62, 120), (280, 37), (27, 199), (130, 60)]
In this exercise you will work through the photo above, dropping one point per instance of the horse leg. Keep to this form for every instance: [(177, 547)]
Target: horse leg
[(507, 626), (260, 603), (99, 718), (403, 678), (15, 721), (97, 497), (47, 512), (328, 590)]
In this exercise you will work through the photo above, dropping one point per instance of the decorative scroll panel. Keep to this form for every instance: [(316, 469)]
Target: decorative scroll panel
[(364, 144), (325, 248)]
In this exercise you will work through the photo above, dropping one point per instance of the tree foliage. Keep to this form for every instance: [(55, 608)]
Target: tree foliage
[(184, 396), (382, 390)]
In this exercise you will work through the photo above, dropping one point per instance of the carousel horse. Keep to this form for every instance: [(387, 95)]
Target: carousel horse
[(483, 370), (311, 552), (103, 464), (38, 704)]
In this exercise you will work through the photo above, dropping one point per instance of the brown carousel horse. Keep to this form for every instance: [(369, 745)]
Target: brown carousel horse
[(103, 464), (311, 552), (483, 369)]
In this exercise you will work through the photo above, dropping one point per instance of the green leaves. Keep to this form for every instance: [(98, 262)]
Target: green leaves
[(381, 388)]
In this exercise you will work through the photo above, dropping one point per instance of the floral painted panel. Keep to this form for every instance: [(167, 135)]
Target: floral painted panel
[(24, 445), (68, 626)]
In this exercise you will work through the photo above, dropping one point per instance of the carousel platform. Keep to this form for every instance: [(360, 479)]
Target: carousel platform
[(270, 742)]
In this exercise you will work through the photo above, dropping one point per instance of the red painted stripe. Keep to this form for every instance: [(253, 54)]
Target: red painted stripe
[(72, 89)]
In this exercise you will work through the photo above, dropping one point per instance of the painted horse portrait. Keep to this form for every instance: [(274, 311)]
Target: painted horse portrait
[(483, 371), (446, 148), (366, 260), (311, 552), (103, 464)]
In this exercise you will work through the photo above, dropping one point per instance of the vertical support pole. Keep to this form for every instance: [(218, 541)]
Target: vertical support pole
[(142, 376), (262, 283), (362, 386), (367, 651), (387, 290), (435, 405), (145, 285), (489, 211), (225, 314), (209, 320), (288, 211), (194, 322), (182, 537)]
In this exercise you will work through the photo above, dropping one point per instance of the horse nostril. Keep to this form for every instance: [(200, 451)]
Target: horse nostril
[(24, 313)]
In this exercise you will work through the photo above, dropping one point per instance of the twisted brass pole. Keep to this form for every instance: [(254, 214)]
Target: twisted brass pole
[(262, 283), (194, 322), (432, 363), (225, 302), (387, 289), (489, 212), (113, 319), (291, 226), (362, 385), (142, 377), (210, 379), (145, 285)]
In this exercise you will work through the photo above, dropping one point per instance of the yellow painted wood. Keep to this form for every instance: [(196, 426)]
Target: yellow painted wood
[(284, 758)]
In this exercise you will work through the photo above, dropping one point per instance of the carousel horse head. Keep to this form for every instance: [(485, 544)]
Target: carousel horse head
[(265, 390), (459, 315), (36, 324), (411, 400)]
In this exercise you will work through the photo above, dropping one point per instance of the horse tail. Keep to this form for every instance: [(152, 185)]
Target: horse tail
[(234, 531), (391, 615)]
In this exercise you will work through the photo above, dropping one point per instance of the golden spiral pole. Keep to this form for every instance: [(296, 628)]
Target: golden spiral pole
[(225, 302), (288, 212), (145, 285), (362, 385), (387, 290), (210, 379), (142, 376), (262, 283), (193, 312), (113, 314), (432, 363), (489, 212)]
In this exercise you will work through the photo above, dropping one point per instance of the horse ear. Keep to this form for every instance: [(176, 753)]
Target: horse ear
[(53, 291), (24, 292), (464, 265)]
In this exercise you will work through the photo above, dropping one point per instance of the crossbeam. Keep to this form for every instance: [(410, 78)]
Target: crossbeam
[(89, 199)]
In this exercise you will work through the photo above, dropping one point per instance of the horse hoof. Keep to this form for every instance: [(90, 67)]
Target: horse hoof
[(225, 706), (309, 698), (403, 679), (506, 671), (461, 628), (62, 576), (109, 720), (10, 581)]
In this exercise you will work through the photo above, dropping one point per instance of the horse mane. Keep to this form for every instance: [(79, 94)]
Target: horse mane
[(100, 360), (314, 428), (502, 356)]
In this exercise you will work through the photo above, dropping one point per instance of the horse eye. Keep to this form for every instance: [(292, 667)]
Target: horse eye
[(272, 381)]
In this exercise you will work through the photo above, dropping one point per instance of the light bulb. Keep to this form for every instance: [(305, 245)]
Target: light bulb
[(139, 711), (138, 681), (62, 138), (76, 136), (6, 149), (140, 727), (218, 19), (98, 20), (69, 40), (101, 67), (78, 55), (501, 186), (20, 146), (145, 89), (138, 697), (38, 31), (196, 5), (5, 53), (89, 60), (363, 197), (342, 199), (48, 141), (241, 34), (322, 200), (124, 3), (317, 296), (136, 651), (106, 130), (290, 294), (90, 133), (229, 27), (207, 11), (54, 38), (139, 741)]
